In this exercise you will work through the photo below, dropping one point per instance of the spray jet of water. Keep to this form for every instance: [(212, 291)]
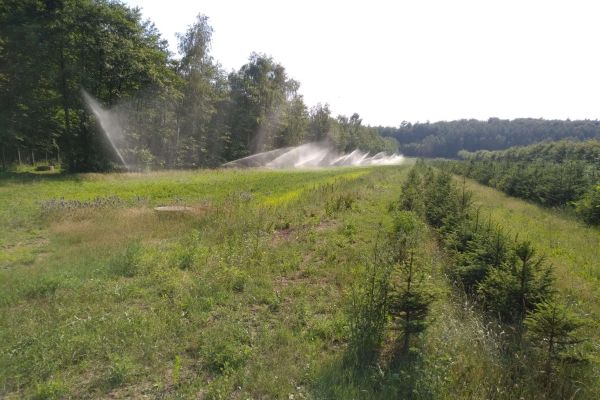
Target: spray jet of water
[(109, 124), (313, 155)]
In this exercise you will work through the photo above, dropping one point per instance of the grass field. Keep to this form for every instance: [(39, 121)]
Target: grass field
[(569, 245), (245, 297), (100, 295)]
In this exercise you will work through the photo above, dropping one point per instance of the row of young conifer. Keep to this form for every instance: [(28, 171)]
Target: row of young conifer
[(563, 174), (509, 282)]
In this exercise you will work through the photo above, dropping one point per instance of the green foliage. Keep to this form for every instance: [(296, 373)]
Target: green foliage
[(588, 207), (554, 174), (246, 273), (100, 46), (559, 151), (543, 182), (246, 291), (392, 294), (410, 301), (320, 122), (120, 370), (53, 389), (166, 112), (476, 251), (506, 278), (440, 200), (513, 289), (411, 197), (368, 313), (42, 287), (176, 370), (340, 202), (448, 138), (408, 231), (127, 264), (554, 330), (225, 349)]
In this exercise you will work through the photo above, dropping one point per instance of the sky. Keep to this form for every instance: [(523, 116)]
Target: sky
[(425, 60)]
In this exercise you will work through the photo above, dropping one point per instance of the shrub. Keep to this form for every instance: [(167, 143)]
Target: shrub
[(406, 235), (440, 199), (410, 301), (553, 329), (411, 198), (477, 251), (588, 208), (518, 286), (368, 313)]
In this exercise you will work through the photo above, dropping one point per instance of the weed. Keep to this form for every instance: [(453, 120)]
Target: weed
[(120, 370), (42, 287), (128, 262), (226, 349), (339, 202), (176, 370), (53, 389)]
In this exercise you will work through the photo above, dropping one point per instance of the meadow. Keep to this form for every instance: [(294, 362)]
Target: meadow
[(102, 295), (247, 296)]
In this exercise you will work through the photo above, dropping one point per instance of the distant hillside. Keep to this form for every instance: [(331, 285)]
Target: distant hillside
[(560, 151), (447, 138)]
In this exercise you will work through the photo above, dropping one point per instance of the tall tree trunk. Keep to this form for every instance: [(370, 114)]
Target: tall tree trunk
[(63, 88), (32, 157), (19, 154), (4, 167)]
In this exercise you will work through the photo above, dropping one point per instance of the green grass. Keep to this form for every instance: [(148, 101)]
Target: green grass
[(571, 247), (246, 297), (21, 196), (242, 298)]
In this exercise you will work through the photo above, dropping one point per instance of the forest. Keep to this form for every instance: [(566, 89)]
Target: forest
[(175, 111), (447, 138)]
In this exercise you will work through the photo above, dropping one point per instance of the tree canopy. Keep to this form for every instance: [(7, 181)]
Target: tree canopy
[(447, 138), (173, 111)]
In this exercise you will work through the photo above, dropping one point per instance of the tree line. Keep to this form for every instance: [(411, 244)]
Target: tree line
[(447, 138), (173, 112), (559, 151), (563, 174)]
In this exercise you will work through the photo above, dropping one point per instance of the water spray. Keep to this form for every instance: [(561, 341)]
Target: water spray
[(109, 126), (313, 155)]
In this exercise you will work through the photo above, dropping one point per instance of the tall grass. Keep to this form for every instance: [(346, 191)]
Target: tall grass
[(246, 298)]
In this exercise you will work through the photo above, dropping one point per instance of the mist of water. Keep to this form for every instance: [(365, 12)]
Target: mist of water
[(310, 155), (313, 155), (109, 124)]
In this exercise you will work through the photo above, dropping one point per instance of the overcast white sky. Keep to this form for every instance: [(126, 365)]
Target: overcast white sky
[(414, 60)]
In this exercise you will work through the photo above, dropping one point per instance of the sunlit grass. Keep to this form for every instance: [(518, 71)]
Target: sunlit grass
[(244, 298), (571, 247), (110, 298)]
